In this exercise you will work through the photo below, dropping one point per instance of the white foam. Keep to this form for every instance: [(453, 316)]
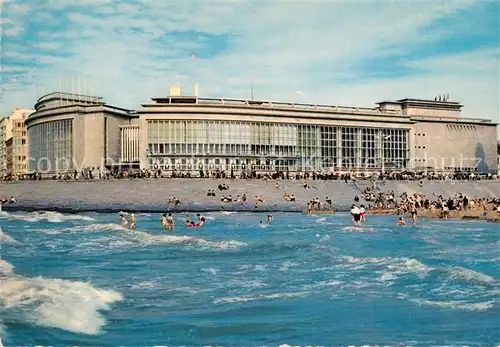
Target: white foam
[(358, 229), (146, 238), (72, 306), (4, 238), (5, 268), (53, 217), (275, 296), (288, 264), (458, 305), (469, 275)]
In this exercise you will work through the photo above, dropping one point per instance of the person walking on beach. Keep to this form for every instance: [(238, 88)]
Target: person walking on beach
[(132, 221)]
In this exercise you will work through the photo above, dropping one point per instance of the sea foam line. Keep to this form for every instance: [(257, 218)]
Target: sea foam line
[(147, 238)]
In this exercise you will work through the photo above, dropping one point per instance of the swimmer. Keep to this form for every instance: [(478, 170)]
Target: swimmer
[(270, 218), (132, 221), (170, 222), (164, 221), (201, 220), (187, 220), (123, 220), (401, 221)]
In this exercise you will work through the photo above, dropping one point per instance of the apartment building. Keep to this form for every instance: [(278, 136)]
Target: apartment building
[(14, 152), (3, 164)]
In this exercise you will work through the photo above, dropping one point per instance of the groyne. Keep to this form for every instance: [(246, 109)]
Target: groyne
[(152, 195)]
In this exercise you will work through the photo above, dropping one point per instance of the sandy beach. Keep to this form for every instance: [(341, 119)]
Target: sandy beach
[(152, 195)]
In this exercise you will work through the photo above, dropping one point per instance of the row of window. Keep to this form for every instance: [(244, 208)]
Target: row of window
[(333, 145), (51, 146)]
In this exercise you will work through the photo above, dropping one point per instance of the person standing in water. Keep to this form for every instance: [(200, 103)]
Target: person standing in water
[(362, 213), (356, 215), (201, 220), (269, 218), (123, 220), (413, 211), (170, 222), (132, 221), (164, 221)]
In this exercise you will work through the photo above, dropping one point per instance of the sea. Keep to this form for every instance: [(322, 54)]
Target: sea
[(84, 280)]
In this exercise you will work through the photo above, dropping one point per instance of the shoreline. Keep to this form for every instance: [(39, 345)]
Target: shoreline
[(153, 195), (425, 214)]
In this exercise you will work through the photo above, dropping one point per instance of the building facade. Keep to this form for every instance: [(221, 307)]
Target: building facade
[(72, 132), (3, 163), (189, 133), (14, 151)]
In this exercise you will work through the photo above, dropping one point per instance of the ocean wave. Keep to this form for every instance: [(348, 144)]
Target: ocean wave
[(53, 217), (146, 238), (458, 305), (4, 238), (458, 272), (276, 296), (360, 229), (5, 268), (57, 303)]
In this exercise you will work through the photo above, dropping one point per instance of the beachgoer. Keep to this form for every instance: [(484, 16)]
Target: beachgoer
[(201, 220), (356, 215), (401, 221), (132, 221), (413, 212), (164, 221), (270, 218), (123, 220), (170, 222), (362, 213)]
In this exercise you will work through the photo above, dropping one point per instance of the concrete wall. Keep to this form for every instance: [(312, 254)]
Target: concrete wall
[(113, 136), (444, 145), (437, 113)]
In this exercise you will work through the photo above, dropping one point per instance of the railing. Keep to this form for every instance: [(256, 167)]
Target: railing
[(290, 106)]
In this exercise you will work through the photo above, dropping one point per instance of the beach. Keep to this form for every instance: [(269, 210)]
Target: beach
[(152, 195)]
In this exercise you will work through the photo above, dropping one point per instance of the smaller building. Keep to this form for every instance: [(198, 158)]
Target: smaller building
[(14, 151), (3, 164), (74, 132), (498, 158)]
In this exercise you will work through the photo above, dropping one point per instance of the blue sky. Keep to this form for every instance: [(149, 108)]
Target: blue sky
[(349, 53)]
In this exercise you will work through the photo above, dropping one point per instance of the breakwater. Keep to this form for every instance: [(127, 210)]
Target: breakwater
[(152, 195)]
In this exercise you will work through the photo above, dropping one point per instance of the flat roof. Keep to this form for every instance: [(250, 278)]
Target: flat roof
[(272, 104)]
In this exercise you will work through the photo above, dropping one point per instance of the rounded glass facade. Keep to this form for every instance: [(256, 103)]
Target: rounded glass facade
[(51, 146)]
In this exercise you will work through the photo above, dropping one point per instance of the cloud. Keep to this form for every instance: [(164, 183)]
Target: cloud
[(332, 52)]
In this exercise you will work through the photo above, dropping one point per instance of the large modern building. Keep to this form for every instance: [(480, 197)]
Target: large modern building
[(14, 144), (187, 133)]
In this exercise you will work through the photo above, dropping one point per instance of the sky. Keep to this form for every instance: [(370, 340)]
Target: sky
[(345, 53)]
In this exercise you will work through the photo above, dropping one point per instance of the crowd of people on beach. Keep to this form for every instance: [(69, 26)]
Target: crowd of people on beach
[(346, 174)]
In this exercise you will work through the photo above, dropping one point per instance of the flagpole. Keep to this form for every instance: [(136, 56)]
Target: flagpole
[(72, 88), (60, 90)]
